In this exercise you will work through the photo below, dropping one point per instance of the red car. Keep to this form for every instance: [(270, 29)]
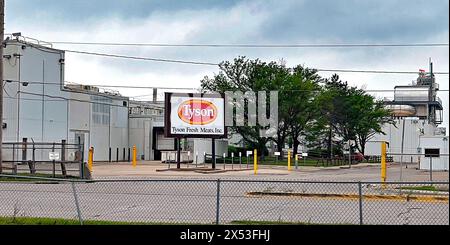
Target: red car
[(357, 157)]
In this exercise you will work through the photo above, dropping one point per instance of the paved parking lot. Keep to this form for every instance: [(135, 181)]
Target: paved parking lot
[(361, 172), (154, 194)]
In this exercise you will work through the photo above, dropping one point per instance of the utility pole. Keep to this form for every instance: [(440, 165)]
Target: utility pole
[(401, 150), (2, 25)]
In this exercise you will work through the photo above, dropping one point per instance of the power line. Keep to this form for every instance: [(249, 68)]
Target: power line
[(185, 88), (343, 45), (65, 99), (216, 64), (141, 58), (378, 71)]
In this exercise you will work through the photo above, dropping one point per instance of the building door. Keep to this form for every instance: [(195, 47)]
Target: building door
[(161, 143), (81, 138)]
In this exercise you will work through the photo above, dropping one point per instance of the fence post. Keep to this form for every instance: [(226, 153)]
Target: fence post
[(76, 203), (24, 155), (129, 154), (218, 202), (53, 162), (431, 169), (360, 203), (13, 159), (14, 163), (81, 156), (117, 154), (63, 158)]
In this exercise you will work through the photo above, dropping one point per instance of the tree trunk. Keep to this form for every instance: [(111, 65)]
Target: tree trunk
[(363, 148), (295, 150), (280, 149)]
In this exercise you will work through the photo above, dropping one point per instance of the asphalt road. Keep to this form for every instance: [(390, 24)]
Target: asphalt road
[(175, 201)]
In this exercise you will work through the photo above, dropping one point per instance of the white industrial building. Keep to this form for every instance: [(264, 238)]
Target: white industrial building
[(434, 149), (39, 106), (418, 113)]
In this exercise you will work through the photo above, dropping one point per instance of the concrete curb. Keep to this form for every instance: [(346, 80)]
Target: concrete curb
[(353, 196)]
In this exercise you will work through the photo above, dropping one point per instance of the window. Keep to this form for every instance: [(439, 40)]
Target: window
[(100, 110)]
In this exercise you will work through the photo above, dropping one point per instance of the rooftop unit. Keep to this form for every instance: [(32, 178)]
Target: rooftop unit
[(81, 87), (418, 100)]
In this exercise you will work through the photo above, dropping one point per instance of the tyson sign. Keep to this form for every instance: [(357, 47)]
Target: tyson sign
[(197, 112), (194, 115)]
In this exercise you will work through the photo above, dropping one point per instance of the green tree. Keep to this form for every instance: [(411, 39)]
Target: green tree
[(301, 102), (248, 75), (373, 116), (348, 113)]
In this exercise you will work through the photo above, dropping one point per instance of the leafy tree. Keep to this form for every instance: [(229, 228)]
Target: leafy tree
[(248, 75), (348, 113), (372, 117), (300, 96)]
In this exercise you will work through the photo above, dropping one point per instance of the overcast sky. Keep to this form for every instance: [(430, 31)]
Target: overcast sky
[(239, 22)]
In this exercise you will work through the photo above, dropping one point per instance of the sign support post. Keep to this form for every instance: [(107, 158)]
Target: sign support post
[(213, 152), (178, 153), (194, 115), (240, 160), (232, 160)]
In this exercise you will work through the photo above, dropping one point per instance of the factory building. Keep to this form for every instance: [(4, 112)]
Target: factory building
[(40, 106), (417, 112)]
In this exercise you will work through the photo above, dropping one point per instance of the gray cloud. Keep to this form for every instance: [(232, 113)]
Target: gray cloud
[(356, 20), (78, 10)]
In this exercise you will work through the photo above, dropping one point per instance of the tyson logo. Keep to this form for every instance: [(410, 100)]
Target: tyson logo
[(197, 112)]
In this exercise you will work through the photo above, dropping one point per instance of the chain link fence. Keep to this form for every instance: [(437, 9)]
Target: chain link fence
[(169, 201)]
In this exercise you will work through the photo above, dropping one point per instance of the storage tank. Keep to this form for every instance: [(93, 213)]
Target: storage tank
[(401, 110), (412, 93)]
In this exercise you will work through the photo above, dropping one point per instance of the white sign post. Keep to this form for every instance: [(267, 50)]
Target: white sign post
[(277, 154), (196, 158), (249, 153), (224, 156), (304, 155), (240, 160), (53, 155), (232, 159)]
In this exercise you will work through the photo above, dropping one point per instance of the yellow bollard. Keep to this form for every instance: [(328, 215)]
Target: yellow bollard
[(90, 158), (134, 156), (383, 162), (289, 160), (255, 161)]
